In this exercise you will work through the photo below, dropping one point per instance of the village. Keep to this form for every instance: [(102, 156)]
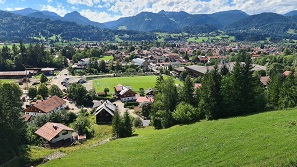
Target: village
[(97, 87)]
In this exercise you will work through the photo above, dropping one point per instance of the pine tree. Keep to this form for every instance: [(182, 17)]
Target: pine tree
[(126, 126), (187, 91), (43, 91), (116, 122), (43, 78), (274, 88)]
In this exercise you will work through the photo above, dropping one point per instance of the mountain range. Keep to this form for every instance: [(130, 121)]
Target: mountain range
[(234, 22), (71, 17)]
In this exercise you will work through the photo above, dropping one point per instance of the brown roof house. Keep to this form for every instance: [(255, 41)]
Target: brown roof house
[(49, 105), (105, 112), (55, 134), (124, 93)]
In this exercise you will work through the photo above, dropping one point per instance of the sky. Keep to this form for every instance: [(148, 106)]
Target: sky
[(109, 10)]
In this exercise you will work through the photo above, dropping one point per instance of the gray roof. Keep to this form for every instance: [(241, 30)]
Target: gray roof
[(148, 90), (48, 69), (138, 61), (13, 73), (108, 106)]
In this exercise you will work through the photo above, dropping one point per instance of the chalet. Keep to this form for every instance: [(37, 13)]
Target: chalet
[(124, 93), (55, 134), (49, 105), (105, 112)]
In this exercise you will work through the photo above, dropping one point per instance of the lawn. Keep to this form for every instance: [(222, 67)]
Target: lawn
[(7, 80), (106, 58), (265, 139), (135, 82)]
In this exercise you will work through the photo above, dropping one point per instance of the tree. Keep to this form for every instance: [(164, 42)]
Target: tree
[(164, 105), (106, 90), (141, 91), (83, 125), (13, 128), (187, 91), (126, 126), (32, 92), (54, 90), (185, 113), (43, 78), (273, 91), (116, 121), (78, 93), (137, 122), (210, 98), (42, 91)]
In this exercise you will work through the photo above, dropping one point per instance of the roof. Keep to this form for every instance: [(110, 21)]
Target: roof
[(13, 73), (138, 61), (143, 99), (264, 80), (287, 73), (148, 90), (49, 130), (48, 69), (49, 104), (26, 117), (197, 85), (119, 87), (124, 90), (180, 69), (107, 106), (97, 103), (201, 69)]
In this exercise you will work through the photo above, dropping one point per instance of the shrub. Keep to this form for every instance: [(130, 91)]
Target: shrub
[(137, 122)]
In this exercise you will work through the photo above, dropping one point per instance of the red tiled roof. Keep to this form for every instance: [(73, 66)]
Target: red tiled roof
[(49, 130), (26, 117), (49, 104), (264, 80), (287, 73), (141, 99), (197, 85)]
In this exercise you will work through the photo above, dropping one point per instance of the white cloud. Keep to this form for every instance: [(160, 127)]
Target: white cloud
[(100, 17), (84, 2), (2, 1), (60, 10), (49, 1), (19, 8), (133, 7), (9, 9)]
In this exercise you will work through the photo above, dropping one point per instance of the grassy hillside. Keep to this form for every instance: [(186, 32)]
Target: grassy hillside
[(266, 139)]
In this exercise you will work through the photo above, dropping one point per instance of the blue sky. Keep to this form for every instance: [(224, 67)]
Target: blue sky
[(107, 10)]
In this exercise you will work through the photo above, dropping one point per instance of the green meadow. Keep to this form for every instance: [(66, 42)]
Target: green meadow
[(135, 82)]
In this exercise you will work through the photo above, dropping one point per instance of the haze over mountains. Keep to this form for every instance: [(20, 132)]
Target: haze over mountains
[(234, 22)]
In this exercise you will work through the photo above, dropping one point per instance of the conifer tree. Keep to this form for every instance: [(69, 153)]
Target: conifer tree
[(116, 122)]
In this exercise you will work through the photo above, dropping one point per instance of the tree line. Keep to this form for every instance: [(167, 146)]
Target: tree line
[(223, 94)]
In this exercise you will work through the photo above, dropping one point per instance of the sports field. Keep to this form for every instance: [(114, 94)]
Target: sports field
[(135, 82)]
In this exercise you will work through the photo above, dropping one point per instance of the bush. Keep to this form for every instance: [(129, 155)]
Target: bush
[(128, 104), (137, 122)]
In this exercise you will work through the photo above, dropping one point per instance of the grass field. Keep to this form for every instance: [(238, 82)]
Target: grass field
[(135, 82), (7, 80), (106, 58), (266, 139)]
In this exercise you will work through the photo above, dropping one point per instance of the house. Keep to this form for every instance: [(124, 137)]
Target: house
[(140, 63), (124, 93), (49, 105), (55, 134), (149, 92), (105, 112)]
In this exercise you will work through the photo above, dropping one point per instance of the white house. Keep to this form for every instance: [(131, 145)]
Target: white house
[(51, 133), (49, 105)]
